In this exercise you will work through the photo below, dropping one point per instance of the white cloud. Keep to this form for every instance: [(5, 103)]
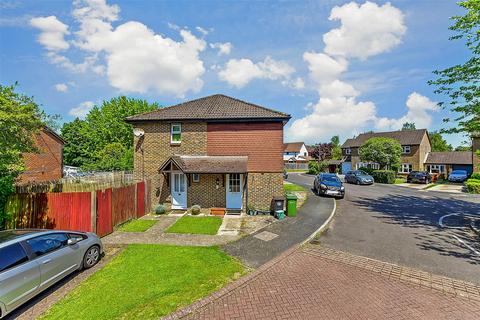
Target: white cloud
[(298, 83), (82, 109), (366, 30), (223, 48), (202, 30), (323, 68), (61, 87), (419, 108), (239, 72), (133, 57), (53, 32)]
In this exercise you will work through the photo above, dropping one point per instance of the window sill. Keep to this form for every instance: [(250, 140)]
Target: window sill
[(175, 143)]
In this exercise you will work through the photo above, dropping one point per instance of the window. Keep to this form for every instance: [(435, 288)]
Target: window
[(48, 243), (176, 133), (348, 151), (370, 165), (196, 177), (406, 149), (77, 236), (234, 182), (406, 168), (12, 255), (436, 168)]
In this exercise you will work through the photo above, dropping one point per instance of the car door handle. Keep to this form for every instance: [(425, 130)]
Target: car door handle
[(46, 261)]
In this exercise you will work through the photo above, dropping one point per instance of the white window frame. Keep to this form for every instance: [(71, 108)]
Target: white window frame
[(348, 151), (172, 132), (371, 165), (405, 148), (436, 168), (406, 168), (196, 177)]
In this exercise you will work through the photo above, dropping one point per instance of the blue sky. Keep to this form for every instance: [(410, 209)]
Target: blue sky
[(338, 67)]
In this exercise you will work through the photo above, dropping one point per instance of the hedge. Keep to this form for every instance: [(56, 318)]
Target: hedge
[(473, 185), (366, 170), (475, 175), (384, 176)]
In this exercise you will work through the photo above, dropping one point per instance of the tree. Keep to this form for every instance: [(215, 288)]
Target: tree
[(336, 150), (463, 148), (460, 84), (322, 151), (408, 126), (384, 151), (20, 119), (438, 143), (104, 132)]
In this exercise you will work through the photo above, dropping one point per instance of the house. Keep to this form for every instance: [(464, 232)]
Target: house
[(215, 151), (296, 155), (475, 148), (47, 163), (416, 155)]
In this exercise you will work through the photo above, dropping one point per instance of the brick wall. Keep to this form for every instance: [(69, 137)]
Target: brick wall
[(475, 147), (47, 164), (205, 192), (262, 187)]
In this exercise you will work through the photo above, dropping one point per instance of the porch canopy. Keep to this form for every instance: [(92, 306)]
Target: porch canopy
[(206, 164)]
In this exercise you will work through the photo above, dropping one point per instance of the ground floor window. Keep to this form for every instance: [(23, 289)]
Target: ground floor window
[(436, 168), (406, 168), (234, 182), (370, 165)]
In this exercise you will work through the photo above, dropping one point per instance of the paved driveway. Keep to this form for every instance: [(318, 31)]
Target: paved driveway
[(401, 225)]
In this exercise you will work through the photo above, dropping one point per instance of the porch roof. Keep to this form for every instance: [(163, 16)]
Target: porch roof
[(207, 164)]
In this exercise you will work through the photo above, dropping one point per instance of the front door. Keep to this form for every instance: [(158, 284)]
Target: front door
[(179, 190), (234, 191)]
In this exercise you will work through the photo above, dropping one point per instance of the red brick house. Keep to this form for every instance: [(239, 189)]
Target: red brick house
[(215, 151), (47, 163)]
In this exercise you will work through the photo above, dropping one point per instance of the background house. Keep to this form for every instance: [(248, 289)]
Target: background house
[(215, 151), (446, 162), (47, 163), (296, 155)]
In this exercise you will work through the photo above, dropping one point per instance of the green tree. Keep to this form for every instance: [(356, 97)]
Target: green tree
[(336, 150), (460, 84), (408, 126), (384, 151), (20, 119), (104, 125), (463, 148), (438, 143)]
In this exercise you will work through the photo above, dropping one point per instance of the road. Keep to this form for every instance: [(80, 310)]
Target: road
[(401, 225)]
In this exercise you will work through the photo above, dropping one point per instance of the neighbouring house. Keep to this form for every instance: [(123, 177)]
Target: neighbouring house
[(215, 151), (296, 155), (475, 148), (416, 153), (47, 163)]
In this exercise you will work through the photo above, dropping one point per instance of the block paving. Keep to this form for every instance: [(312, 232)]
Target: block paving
[(316, 282)]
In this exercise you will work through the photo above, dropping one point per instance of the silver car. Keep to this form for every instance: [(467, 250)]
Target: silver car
[(33, 260)]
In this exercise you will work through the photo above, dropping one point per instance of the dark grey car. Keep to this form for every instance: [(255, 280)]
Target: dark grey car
[(33, 260), (358, 177)]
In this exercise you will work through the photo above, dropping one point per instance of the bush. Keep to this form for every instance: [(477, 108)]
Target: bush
[(315, 168), (384, 176), (367, 170), (196, 209), (6, 188), (160, 209), (473, 185), (475, 175)]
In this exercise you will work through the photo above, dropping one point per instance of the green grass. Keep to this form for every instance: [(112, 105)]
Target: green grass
[(400, 180), (297, 170), (196, 225), (148, 282), (289, 187), (137, 225)]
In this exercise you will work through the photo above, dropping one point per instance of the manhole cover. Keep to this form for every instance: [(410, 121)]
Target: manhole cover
[(266, 236)]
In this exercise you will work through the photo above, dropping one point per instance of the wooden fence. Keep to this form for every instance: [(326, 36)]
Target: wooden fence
[(98, 211)]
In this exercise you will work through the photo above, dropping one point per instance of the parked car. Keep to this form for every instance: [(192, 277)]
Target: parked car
[(358, 177), (328, 184), (33, 260), (458, 176), (420, 177)]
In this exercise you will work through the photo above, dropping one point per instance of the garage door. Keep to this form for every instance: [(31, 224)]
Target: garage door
[(465, 167)]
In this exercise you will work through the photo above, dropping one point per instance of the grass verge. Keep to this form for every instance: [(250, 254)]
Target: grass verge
[(289, 187), (148, 281), (400, 180), (137, 225), (196, 225)]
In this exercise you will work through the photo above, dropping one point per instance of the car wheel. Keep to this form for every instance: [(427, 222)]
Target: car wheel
[(358, 182), (341, 197), (91, 257)]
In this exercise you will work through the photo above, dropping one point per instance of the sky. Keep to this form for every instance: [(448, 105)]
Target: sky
[(338, 67)]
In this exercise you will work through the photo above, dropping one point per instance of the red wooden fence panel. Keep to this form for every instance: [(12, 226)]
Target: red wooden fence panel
[(104, 212), (140, 199), (70, 211), (123, 204)]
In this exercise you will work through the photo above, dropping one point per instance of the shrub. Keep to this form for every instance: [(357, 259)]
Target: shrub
[(473, 185), (315, 167), (367, 170), (196, 209), (384, 176), (475, 175), (160, 209)]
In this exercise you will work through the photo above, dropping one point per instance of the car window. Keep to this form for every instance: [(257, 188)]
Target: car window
[(459, 172), (331, 179), (47, 243), (12, 256), (77, 236), (361, 173)]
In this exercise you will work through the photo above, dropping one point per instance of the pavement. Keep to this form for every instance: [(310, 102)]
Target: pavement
[(313, 283), (266, 244), (401, 225)]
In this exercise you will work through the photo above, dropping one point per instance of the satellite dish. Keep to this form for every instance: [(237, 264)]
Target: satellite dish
[(137, 132)]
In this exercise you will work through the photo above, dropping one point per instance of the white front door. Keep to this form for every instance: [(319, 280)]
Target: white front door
[(179, 190), (234, 191)]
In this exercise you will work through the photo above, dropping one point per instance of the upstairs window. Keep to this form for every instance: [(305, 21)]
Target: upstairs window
[(348, 151), (406, 149), (176, 133)]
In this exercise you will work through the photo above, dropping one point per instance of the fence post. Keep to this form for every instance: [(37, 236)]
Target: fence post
[(136, 200), (93, 210)]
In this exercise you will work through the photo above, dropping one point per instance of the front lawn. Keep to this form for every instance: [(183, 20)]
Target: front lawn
[(196, 225), (289, 187), (137, 225), (148, 281), (400, 180)]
